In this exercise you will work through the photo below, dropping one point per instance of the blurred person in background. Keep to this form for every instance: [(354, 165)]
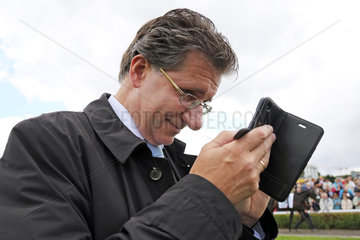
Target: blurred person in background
[(337, 185), (350, 184), (314, 203), (327, 184), (330, 191), (346, 203), (336, 201), (357, 185), (356, 200), (301, 205), (306, 185), (319, 182), (346, 191), (326, 204)]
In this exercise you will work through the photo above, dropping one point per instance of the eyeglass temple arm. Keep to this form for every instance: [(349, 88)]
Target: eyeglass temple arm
[(172, 82)]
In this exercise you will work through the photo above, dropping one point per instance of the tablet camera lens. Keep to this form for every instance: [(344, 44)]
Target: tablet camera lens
[(268, 107)]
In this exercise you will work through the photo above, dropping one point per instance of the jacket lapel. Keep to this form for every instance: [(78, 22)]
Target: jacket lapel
[(112, 132)]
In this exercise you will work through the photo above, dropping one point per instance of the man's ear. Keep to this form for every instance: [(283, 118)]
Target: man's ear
[(138, 68)]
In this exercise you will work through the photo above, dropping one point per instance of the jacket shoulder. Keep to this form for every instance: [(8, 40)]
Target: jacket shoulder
[(52, 144), (59, 123)]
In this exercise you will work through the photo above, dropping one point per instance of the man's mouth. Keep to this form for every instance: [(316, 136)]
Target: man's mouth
[(176, 126)]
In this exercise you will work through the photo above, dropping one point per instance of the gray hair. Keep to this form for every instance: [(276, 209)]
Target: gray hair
[(165, 41)]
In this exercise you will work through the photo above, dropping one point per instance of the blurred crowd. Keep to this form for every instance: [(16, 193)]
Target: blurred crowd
[(342, 193), (319, 195)]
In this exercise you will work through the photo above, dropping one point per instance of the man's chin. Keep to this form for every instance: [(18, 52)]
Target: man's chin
[(166, 140)]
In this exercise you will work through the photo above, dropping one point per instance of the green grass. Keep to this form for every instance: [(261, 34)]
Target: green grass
[(313, 238)]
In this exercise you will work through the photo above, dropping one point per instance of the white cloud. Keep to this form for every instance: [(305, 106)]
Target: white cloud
[(6, 124)]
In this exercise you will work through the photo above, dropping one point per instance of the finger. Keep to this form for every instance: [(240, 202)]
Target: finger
[(261, 196), (241, 133), (264, 161), (262, 151), (256, 136), (263, 165), (221, 139)]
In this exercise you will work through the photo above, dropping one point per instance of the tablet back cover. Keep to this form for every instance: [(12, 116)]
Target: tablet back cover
[(296, 140)]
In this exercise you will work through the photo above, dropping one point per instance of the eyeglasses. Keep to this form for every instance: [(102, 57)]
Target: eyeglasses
[(188, 100)]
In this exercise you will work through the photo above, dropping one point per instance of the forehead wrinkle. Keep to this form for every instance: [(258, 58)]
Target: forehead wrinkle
[(211, 85), (204, 85)]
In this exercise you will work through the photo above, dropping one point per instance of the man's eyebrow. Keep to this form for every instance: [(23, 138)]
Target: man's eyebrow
[(195, 89), (203, 94), (209, 100)]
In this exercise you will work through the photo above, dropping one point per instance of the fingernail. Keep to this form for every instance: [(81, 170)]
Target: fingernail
[(270, 127)]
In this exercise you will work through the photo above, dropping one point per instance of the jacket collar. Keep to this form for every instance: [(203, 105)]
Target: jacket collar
[(117, 137), (112, 132)]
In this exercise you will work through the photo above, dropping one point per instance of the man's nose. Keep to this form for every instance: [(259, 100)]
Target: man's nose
[(193, 117)]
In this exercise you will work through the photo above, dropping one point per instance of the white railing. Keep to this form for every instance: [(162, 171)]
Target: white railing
[(331, 211)]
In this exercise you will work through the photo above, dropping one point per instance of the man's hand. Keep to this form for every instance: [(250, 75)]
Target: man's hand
[(234, 167), (252, 208)]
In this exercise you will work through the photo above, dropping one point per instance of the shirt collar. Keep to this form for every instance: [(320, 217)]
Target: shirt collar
[(125, 117)]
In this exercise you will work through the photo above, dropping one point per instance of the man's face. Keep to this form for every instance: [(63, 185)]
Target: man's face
[(162, 115)]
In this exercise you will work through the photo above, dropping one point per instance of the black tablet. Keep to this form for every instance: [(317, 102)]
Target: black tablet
[(296, 140)]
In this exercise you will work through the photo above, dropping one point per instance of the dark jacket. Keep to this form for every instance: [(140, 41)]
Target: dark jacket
[(301, 199), (84, 175)]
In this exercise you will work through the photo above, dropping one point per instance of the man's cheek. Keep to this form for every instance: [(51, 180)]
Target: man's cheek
[(157, 120)]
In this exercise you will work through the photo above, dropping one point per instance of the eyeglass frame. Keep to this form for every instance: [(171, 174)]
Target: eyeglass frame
[(206, 108)]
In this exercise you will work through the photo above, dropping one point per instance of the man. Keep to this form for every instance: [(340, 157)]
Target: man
[(356, 200), (115, 170), (326, 204), (350, 184), (338, 185), (319, 183), (346, 191), (300, 205)]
